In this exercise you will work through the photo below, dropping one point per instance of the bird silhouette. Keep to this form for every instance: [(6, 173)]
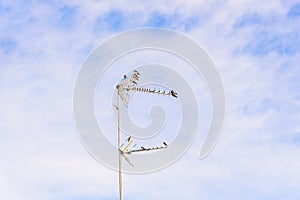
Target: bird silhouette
[(174, 94)]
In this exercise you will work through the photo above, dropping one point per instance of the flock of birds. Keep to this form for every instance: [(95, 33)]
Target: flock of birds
[(132, 82), (149, 90)]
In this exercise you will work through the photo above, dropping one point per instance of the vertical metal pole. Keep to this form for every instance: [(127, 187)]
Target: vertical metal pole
[(119, 146)]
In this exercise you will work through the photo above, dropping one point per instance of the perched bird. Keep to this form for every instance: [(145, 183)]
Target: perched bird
[(174, 94), (165, 143)]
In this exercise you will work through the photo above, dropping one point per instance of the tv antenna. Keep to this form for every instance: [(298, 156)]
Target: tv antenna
[(126, 85)]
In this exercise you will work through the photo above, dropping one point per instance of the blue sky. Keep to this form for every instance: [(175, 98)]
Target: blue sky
[(254, 45)]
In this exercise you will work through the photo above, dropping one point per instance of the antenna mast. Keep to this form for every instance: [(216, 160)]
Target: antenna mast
[(126, 85)]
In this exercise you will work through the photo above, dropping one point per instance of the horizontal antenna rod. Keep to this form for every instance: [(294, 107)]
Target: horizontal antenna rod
[(149, 90), (145, 149)]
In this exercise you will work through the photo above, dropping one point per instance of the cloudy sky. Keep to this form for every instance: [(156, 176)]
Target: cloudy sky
[(255, 46)]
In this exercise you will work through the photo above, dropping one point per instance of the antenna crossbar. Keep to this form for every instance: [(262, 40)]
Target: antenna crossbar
[(149, 90), (143, 149)]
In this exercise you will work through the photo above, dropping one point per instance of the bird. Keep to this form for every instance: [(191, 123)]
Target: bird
[(165, 143), (174, 94), (128, 139)]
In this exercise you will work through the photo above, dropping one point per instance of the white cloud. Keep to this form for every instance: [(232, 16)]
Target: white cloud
[(256, 158)]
